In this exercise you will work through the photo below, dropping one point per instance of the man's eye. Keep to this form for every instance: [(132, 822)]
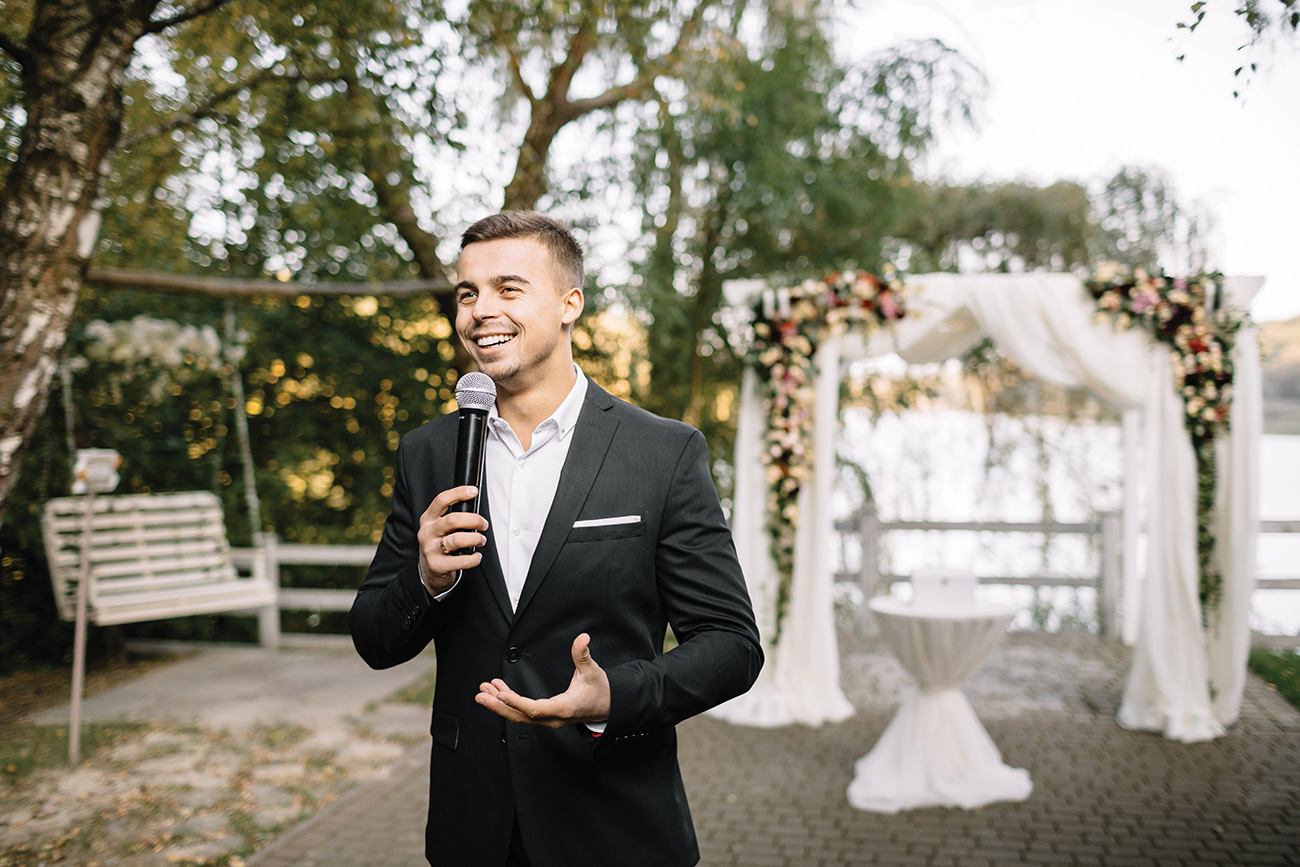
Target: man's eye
[(465, 297)]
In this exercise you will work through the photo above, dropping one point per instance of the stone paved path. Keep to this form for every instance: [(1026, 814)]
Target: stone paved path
[(775, 798)]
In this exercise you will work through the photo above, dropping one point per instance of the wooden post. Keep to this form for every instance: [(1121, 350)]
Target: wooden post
[(268, 619), (870, 572), (1108, 588), (79, 639)]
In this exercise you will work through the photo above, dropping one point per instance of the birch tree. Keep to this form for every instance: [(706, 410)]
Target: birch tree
[(72, 57)]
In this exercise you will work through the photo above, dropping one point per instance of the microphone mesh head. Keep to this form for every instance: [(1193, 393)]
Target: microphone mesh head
[(476, 391)]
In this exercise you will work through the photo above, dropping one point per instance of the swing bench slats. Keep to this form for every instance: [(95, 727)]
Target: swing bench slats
[(152, 557)]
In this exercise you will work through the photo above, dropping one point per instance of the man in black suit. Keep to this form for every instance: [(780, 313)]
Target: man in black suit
[(554, 712)]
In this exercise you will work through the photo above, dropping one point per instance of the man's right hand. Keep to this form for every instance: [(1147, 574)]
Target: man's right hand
[(442, 533)]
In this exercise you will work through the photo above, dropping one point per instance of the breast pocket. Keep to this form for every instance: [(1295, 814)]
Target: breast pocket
[(605, 532)]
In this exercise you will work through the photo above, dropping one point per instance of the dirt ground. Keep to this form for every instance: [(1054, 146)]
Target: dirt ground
[(152, 794)]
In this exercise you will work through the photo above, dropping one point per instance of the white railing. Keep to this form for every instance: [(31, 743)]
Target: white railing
[(1260, 639), (276, 554), (867, 526), (870, 528)]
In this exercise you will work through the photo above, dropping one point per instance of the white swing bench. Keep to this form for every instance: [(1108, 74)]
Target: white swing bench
[(146, 557), (151, 557)]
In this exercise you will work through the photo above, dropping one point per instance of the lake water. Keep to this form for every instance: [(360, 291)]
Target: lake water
[(948, 465)]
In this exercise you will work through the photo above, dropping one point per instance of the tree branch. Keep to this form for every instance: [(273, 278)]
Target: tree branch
[(234, 287), (610, 98), (689, 28), (204, 109), (562, 73), (517, 73), (15, 48), (182, 17)]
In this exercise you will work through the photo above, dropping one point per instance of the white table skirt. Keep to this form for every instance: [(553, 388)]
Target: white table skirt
[(935, 751)]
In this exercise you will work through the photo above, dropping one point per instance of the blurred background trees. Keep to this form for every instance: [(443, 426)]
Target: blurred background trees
[(689, 143)]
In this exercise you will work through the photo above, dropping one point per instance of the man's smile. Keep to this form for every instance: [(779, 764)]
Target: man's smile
[(489, 340)]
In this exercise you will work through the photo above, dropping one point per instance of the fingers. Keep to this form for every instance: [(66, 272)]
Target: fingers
[(447, 499), (586, 700), (581, 651), (445, 539), (505, 702)]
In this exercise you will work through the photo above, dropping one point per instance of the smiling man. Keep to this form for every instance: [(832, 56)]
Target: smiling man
[(553, 717)]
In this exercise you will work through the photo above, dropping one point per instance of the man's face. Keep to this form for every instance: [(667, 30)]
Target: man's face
[(511, 314)]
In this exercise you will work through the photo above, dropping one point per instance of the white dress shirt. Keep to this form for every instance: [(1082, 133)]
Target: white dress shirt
[(521, 484)]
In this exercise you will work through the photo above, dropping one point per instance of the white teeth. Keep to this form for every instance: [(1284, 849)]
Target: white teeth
[(494, 339)]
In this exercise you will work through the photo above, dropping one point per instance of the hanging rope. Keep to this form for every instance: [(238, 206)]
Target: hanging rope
[(241, 426)]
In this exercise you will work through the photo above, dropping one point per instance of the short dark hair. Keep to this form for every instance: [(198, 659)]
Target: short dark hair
[(565, 250)]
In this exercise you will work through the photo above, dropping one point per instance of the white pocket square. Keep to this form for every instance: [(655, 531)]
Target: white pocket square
[(607, 522)]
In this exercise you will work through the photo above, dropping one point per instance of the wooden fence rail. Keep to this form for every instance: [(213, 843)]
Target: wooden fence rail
[(867, 526)]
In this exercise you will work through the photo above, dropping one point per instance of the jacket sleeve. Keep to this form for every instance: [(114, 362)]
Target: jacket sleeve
[(719, 653), (393, 617)]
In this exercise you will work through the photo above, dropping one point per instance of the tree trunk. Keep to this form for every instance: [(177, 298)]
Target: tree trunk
[(705, 302), (528, 185), (73, 62)]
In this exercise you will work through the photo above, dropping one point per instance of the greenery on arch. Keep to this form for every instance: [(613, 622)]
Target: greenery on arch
[(1187, 315), (787, 327)]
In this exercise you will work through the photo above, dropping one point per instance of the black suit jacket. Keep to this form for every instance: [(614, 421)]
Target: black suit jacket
[(579, 799)]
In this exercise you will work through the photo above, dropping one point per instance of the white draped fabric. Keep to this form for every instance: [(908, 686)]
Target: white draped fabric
[(1043, 322), (935, 751)]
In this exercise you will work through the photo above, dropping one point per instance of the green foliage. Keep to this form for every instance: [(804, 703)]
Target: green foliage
[(1012, 226), (776, 160), (1280, 668)]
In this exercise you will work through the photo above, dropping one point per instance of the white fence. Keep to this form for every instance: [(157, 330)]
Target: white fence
[(1107, 581), (867, 526)]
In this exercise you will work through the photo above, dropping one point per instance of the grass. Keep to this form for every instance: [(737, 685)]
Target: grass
[(26, 747), (1280, 668)]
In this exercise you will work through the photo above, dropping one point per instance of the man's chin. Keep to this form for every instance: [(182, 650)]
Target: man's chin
[(501, 370)]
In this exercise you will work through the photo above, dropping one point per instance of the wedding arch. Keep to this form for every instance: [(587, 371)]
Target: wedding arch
[(1189, 665)]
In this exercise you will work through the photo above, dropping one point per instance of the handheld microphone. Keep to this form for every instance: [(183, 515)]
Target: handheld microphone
[(476, 393)]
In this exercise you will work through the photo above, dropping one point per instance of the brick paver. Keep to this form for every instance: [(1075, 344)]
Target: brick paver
[(1102, 795)]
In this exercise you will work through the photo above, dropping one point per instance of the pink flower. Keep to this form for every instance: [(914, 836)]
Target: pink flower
[(889, 308), (1144, 300)]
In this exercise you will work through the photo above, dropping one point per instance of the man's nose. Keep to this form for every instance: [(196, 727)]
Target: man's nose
[(485, 306)]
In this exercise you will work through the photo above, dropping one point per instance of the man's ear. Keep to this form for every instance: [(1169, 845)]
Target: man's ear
[(573, 301)]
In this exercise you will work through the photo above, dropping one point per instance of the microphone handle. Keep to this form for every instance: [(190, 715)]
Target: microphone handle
[(471, 440)]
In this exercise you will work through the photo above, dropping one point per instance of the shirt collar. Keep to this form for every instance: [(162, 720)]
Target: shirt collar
[(566, 414)]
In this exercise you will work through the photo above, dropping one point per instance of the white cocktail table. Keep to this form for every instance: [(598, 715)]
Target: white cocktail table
[(935, 751)]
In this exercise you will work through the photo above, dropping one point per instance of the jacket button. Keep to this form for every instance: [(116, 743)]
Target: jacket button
[(513, 654)]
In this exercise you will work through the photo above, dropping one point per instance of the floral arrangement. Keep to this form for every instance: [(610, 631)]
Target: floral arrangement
[(157, 351), (788, 325), (1185, 313)]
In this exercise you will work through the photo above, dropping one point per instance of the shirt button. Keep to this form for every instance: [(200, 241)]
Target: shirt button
[(513, 654), (516, 531), (521, 463)]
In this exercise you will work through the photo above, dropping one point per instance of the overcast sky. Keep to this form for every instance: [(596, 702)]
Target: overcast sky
[(1080, 88)]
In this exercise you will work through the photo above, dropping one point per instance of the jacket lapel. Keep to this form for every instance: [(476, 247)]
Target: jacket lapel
[(490, 565), (591, 439)]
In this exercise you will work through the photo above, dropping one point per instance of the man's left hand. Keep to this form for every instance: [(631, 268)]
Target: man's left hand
[(586, 699)]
